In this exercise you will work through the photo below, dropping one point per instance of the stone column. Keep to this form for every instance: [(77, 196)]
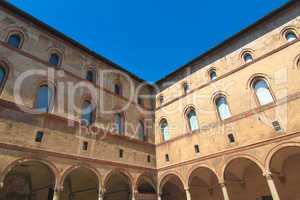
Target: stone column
[(224, 191), (133, 194), (272, 186), (188, 194), (159, 196), (100, 192), (56, 193), (100, 196)]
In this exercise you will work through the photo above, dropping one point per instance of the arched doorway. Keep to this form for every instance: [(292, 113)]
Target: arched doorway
[(81, 184), (244, 180), (172, 188), (204, 185), (29, 180), (146, 188), (117, 186), (285, 168)]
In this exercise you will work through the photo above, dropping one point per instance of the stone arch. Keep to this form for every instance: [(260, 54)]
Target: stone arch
[(283, 164), (81, 181), (244, 177), (47, 163), (172, 187), (195, 167), (204, 183), (29, 177), (86, 166), (241, 156), (121, 171), (274, 150), (171, 173), (145, 174), (145, 184), (118, 184)]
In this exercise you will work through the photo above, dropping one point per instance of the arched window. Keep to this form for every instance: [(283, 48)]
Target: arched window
[(44, 98), (262, 92), (118, 89), (3, 75), (223, 108), (141, 131), (87, 113), (213, 75), (119, 123), (192, 120), (90, 76), (290, 36), (247, 57), (164, 128), (14, 40), (54, 59)]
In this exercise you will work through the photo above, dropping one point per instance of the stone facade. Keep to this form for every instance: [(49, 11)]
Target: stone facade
[(185, 148)]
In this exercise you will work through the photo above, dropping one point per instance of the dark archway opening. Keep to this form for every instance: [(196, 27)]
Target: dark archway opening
[(30, 180), (117, 187), (81, 184)]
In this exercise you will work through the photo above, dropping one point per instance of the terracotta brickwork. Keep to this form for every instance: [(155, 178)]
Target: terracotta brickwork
[(168, 144)]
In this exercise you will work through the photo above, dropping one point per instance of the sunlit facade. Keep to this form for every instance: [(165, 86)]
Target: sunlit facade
[(76, 126)]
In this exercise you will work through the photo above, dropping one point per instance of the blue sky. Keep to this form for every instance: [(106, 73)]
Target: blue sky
[(150, 38)]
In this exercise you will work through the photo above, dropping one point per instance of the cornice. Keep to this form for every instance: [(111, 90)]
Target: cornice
[(238, 117), (275, 139), (41, 152), (107, 134)]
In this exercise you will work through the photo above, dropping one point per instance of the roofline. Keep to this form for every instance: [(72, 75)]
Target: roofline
[(61, 35), (75, 43), (230, 39)]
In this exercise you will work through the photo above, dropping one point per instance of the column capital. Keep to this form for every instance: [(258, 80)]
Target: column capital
[(268, 175), (100, 194), (58, 188), (222, 184), (1, 185), (188, 194)]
